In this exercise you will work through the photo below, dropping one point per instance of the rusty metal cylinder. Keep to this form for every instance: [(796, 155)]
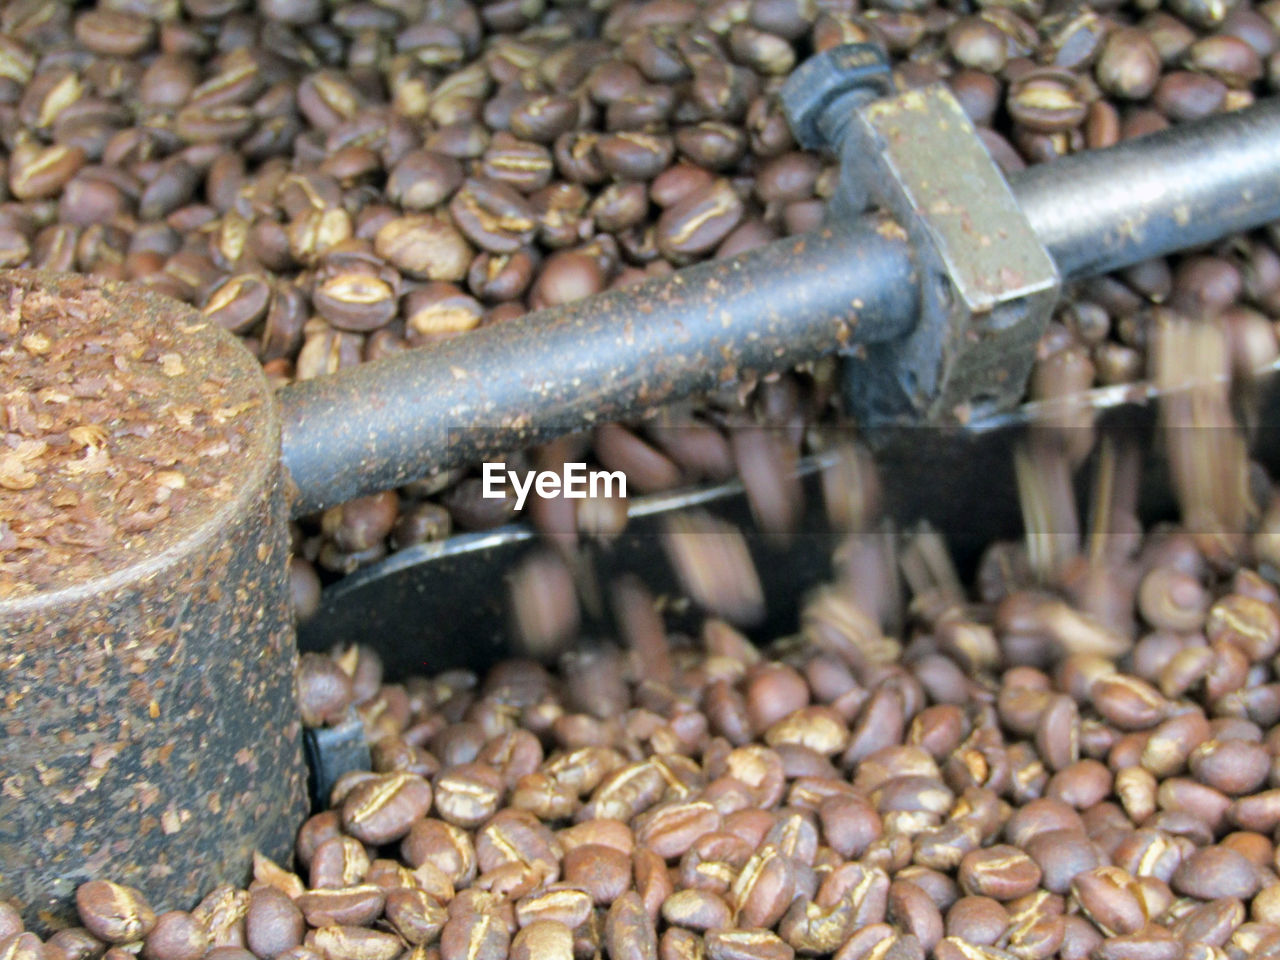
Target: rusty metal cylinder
[(150, 732)]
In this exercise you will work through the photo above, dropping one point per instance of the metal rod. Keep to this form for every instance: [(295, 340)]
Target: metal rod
[(603, 358), (1182, 187), (559, 370)]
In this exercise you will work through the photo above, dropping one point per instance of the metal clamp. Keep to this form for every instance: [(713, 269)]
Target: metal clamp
[(988, 285), (332, 752)]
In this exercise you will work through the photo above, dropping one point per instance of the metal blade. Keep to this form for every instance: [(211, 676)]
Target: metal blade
[(442, 605)]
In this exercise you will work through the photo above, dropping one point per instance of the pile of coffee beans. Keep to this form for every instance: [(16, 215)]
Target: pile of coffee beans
[(339, 181), (1009, 777)]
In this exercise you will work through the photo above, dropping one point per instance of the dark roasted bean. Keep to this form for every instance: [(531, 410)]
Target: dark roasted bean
[(273, 923), (114, 912), (1001, 872)]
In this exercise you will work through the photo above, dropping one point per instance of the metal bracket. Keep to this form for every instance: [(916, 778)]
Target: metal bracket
[(331, 752), (988, 285)]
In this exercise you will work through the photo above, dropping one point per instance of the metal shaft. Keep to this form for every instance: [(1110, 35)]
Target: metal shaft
[(1192, 184), (606, 357), (559, 370)]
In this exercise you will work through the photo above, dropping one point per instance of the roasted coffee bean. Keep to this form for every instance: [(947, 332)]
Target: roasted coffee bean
[(751, 944), (474, 935), (415, 915), (114, 912), (1215, 872), (977, 920), (440, 310), (273, 923), (541, 939), (1046, 101), (699, 222), (37, 172), (604, 872), (1061, 856), (1182, 95), (629, 931), (468, 794), (359, 905), (1226, 58), (383, 810), (1001, 872), (27, 946), (630, 155), (1129, 65), (425, 247), (239, 303), (1107, 896), (1232, 766), (566, 276), (699, 910), (493, 216), (177, 935)]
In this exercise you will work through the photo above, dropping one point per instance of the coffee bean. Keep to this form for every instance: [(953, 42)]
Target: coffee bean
[(1129, 65), (700, 221), (541, 939), (1061, 856), (1081, 785), (670, 830), (273, 923), (114, 34), (1182, 95), (37, 172), (25, 946), (493, 216), (176, 936), (755, 944), (977, 920), (1151, 942), (77, 943), (1106, 895), (239, 303), (629, 932), (425, 247), (699, 910), (383, 810), (1046, 101), (916, 913), (114, 912), (1234, 766), (1001, 872), (630, 155), (1211, 923), (603, 872), (1215, 872), (415, 915), (1226, 58)]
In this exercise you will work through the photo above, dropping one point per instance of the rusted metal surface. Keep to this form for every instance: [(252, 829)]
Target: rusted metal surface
[(989, 285), (150, 732), (604, 358)]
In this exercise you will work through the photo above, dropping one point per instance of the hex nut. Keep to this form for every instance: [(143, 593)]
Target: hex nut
[(822, 79)]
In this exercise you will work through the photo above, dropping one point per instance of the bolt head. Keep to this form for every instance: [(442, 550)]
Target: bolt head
[(821, 80)]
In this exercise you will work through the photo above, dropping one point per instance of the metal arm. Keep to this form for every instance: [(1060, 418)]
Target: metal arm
[(606, 357)]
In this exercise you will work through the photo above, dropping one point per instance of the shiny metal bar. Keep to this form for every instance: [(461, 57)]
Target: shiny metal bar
[(1179, 188)]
